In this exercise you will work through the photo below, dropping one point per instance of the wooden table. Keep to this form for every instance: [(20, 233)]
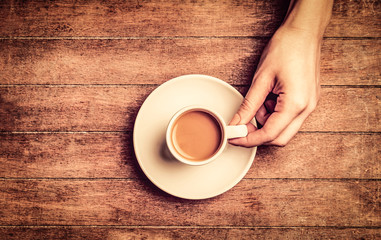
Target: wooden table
[(73, 75)]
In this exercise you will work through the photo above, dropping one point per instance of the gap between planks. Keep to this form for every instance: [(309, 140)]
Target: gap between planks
[(244, 179), (146, 37), (131, 132), (154, 85), (187, 227), (159, 37)]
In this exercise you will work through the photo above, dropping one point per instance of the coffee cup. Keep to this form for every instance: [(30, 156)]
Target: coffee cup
[(197, 135)]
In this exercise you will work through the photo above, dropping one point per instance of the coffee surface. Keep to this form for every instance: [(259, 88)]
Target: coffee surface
[(196, 135)]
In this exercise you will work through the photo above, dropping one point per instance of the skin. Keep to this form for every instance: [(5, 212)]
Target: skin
[(285, 88)]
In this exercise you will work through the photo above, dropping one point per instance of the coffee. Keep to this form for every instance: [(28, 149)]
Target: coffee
[(196, 135)]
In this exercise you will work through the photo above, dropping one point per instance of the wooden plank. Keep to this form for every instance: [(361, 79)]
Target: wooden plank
[(100, 108), (346, 109), (154, 61), (125, 202), (174, 18), (349, 16), (137, 61), (106, 155), (58, 233), (351, 62), (70, 108), (111, 155), (323, 155)]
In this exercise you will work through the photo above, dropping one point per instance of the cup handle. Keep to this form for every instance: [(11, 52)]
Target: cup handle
[(236, 131)]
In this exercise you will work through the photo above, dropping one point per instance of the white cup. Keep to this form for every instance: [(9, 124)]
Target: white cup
[(226, 132)]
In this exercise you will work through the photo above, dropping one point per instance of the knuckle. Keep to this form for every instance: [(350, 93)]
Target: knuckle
[(247, 105), (245, 111), (301, 103), (279, 142), (282, 140), (269, 136), (312, 105)]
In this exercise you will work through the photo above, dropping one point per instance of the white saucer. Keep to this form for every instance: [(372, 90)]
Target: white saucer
[(173, 177)]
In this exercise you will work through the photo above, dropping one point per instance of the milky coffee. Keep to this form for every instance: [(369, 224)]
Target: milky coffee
[(196, 135)]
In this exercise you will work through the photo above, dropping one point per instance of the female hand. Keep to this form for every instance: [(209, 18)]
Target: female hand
[(285, 87), (284, 91)]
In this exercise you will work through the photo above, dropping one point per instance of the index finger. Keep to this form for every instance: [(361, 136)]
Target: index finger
[(274, 126), (255, 97)]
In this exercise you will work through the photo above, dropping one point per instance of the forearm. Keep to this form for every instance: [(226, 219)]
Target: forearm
[(311, 16)]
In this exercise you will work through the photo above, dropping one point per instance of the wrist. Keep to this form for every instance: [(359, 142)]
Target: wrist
[(310, 17), (306, 35), (296, 35)]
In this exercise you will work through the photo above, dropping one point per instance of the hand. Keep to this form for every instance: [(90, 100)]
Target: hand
[(284, 91)]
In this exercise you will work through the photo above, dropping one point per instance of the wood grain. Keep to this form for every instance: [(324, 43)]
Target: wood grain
[(99, 108), (70, 108), (138, 61), (73, 75), (154, 61), (111, 155), (346, 109), (174, 18), (256, 203), (321, 155), (217, 233)]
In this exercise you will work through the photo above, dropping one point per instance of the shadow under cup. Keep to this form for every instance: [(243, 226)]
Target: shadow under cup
[(195, 136)]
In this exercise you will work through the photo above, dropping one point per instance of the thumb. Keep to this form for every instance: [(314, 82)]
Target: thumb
[(254, 99)]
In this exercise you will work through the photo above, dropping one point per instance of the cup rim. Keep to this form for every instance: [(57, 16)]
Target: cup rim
[(216, 116)]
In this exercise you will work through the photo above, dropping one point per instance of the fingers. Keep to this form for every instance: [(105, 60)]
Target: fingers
[(273, 132), (244, 141), (266, 109), (291, 130), (270, 134), (262, 115), (295, 125), (254, 99), (274, 123)]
